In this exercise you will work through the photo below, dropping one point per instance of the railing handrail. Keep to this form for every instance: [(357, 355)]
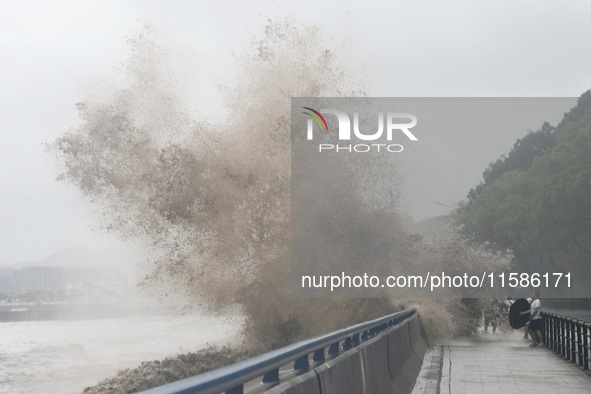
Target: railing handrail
[(567, 318), (570, 338), (232, 376)]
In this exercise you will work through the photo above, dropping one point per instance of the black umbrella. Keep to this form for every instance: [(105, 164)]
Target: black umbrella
[(516, 320)]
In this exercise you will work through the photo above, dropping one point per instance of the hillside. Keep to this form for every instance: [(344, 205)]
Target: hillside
[(536, 200)]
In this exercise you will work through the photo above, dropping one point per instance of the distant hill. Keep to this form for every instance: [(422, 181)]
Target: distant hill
[(536, 201), (78, 256)]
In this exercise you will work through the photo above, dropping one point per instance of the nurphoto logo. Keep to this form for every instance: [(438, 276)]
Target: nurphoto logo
[(396, 125)]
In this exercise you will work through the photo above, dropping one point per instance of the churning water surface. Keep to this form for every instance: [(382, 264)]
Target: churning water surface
[(67, 356)]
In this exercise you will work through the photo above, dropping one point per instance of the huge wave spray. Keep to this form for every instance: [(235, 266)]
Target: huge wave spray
[(214, 199)]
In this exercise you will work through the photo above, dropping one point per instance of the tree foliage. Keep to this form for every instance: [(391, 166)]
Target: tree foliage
[(537, 200)]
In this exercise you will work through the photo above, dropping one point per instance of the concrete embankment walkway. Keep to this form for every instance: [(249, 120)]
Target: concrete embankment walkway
[(505, 363)]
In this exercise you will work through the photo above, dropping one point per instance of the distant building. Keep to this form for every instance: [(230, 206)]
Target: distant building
[(90, 282)]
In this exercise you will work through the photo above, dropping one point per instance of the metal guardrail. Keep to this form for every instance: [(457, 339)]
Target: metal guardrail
[(232, 379), (568, 337)]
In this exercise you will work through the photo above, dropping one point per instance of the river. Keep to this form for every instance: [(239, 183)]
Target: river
[(67, 356)]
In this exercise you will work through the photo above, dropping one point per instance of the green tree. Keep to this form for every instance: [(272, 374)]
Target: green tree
[(537, 200)]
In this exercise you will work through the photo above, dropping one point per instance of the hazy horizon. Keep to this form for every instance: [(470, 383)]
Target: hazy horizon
[(56, 55)]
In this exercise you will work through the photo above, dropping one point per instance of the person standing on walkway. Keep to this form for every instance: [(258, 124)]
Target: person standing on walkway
[(536, 323), (526, 330), (492, 314)]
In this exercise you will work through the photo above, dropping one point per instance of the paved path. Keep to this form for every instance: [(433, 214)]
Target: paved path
[(498, 363)]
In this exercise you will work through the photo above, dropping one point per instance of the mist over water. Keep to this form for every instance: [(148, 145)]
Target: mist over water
[(66, 356)]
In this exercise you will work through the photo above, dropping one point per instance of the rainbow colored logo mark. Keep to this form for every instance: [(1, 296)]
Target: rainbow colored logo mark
[(318, 118)]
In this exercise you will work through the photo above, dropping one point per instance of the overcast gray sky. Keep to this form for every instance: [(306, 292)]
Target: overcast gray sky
[(52, 53)]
